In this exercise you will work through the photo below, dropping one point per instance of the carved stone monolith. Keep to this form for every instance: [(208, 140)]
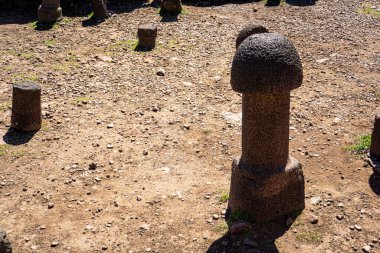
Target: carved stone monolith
[(49, 11), (26, 107), (100, 9), (147, 34), (266, 183)]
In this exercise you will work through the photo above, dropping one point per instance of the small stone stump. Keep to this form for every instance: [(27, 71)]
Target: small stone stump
[(172, 7), (374, 151), (5, 245), (147, 34), (266, 183), (26, 107), (249, 30), (49, 11)]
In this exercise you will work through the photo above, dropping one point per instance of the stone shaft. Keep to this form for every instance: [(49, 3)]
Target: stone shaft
[(100, 9), (26, 107), (265, 129), (49, 11), (147, 35), (375, 140)]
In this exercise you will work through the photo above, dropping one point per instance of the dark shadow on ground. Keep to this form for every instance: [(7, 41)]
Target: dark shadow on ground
[(15, 138), (209, 3), (169, 18), (82, 8), (141, 49), (260, 240), (91, 22), (271, 3), (374, 183), (17, 17), (43, 27), (301, 2)]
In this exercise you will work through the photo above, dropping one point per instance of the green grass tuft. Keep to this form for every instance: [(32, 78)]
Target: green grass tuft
[(309, 237), (362, 144), (367, 9), (221, 227), (224, 197), (4, 149)]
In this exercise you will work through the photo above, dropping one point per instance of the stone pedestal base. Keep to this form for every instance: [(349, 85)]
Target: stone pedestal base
[(265, 193), (49, 14)]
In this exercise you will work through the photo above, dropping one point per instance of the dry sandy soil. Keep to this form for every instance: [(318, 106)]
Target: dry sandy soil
[(162, 146)]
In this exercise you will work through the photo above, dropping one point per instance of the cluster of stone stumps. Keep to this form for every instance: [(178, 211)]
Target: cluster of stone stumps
[(266, 183)]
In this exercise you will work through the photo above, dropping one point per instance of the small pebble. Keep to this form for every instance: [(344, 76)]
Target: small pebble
[(54, 244), (366, 249)]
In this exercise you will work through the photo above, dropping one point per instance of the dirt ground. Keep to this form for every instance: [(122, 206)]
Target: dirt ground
[(131, 161)]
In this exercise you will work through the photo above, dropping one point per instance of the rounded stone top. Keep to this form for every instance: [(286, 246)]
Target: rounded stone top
[(27, 85), (264, 63), (249, 30)]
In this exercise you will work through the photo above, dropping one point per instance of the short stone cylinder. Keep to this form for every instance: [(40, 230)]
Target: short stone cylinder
[(265, 129), (26, 107), (375, 139), (147, 35)]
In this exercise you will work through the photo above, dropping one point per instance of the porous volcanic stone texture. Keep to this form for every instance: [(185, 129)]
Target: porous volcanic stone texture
[(26, 107), (249, 30), (375, 144), (5, 245), (266, 62), (265, 129), (266, 194), (147, 35)]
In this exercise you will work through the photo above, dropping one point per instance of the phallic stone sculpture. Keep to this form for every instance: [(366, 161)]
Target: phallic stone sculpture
[(249, 30), (374, 151), (266, 182), (49, 11), (171, 6), (26, 107), (5, 245), (147, 34)]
